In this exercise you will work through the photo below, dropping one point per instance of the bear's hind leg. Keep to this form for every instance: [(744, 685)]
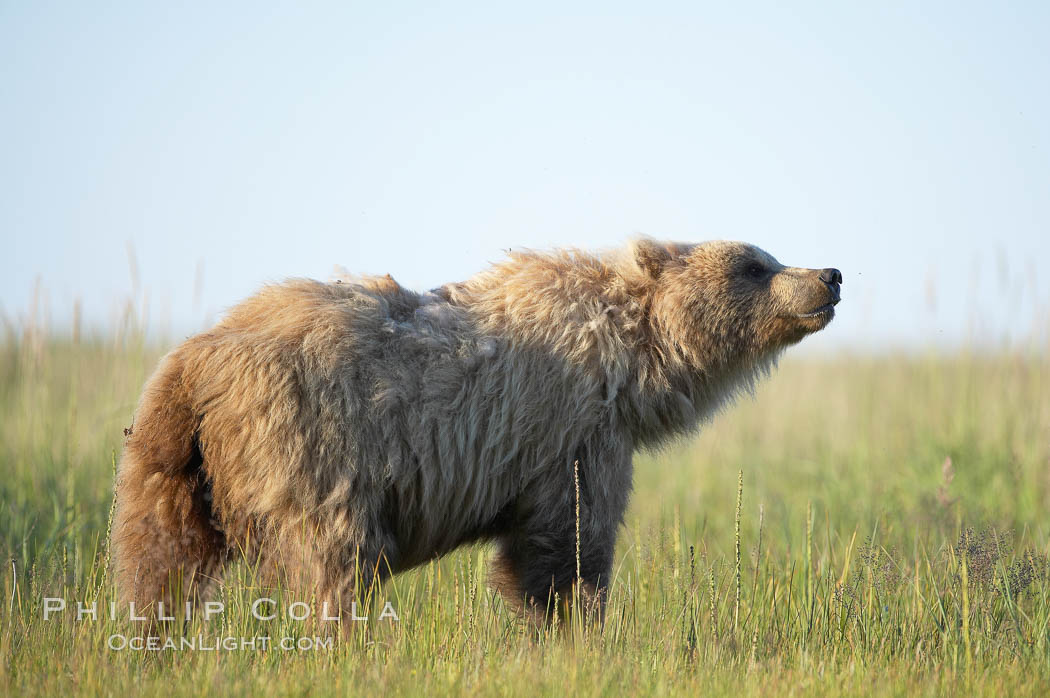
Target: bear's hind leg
[(349, 576), (337, 578), (166, 547)]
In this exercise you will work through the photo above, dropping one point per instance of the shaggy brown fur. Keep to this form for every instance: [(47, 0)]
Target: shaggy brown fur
[(345, 431)]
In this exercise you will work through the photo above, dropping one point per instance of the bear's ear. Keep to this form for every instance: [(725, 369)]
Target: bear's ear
[(650, 256)]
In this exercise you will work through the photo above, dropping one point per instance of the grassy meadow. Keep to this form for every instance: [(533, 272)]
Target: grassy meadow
[(865, 525)]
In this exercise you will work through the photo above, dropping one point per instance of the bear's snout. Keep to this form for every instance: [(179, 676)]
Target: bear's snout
[(833, 278)]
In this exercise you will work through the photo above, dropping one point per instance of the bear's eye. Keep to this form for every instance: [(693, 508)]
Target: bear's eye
[(754, 270)]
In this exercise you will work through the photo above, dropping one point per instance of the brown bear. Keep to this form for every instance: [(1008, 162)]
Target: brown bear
[(342, 432)]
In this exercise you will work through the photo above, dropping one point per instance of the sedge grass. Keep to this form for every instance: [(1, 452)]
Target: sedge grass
[(865, 525)]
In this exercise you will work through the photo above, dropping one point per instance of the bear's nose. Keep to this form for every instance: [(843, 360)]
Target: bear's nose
[(831, 276)]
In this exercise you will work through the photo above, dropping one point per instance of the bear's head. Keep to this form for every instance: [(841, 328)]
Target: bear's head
[(718, 303)]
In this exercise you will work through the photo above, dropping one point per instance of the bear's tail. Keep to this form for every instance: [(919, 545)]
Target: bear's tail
[(164, 546)]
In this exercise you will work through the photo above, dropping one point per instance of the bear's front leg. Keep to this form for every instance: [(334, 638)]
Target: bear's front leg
[(536, 573), (542, 558)]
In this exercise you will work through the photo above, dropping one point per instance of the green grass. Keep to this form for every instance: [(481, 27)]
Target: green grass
[(866, 525)]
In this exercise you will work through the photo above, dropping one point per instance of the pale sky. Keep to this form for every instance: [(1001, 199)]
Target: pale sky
[(906, 143)]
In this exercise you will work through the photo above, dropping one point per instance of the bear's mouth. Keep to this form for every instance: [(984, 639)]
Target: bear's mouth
[(826, 309)]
